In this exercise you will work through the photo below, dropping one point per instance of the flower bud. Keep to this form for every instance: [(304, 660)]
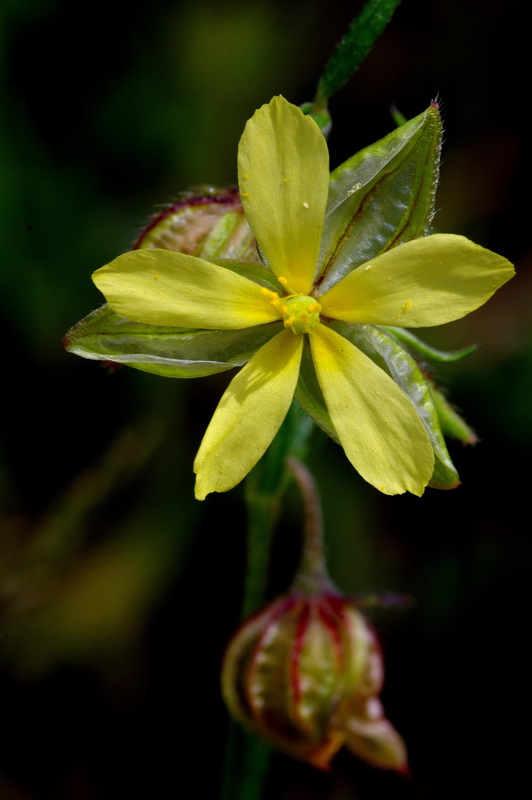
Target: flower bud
[(207, 222), (305, 673)]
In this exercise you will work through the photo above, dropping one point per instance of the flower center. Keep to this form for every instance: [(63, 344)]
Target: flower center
[(299, 312)]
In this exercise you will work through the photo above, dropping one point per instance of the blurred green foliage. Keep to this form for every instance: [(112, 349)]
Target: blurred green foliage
[(117, 589)]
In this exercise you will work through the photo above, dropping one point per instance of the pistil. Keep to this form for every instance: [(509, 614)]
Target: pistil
[(299, 312)]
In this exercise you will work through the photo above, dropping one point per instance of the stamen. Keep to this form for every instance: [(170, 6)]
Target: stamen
[(298, 311), (273, 296), (301, 313)]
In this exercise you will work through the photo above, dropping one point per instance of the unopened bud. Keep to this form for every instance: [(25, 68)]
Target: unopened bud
[(305, 673), (207, 222)]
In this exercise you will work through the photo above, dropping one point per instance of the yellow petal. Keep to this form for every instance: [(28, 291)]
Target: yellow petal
[(165, 288), (377, 425), (248, 415), (283, 172), (428, 281)]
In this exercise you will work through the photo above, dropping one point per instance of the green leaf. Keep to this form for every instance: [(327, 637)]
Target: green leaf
[(422, 351), (171, 352), (356, 44), (381, 197)]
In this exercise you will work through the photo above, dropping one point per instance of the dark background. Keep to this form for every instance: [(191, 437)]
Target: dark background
[(117, 589)]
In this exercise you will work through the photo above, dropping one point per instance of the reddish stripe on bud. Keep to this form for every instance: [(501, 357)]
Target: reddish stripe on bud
[(305, 673)]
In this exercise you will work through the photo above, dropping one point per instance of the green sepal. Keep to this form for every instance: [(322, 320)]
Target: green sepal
[(230, 236), (320, 114), (256, 272), (398, 117), (423, 351), (167, 351), (381, 197), (451, 422), (309, 395)]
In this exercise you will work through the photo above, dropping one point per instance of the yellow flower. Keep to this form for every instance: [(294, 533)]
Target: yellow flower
[(284, 180)]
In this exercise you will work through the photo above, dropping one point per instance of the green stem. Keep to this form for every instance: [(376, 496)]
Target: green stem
[(262, 514), (246, 765), (265, 487), (247, 757), (311, 576)]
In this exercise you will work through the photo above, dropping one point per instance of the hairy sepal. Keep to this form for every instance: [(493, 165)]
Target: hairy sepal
[(381, 197)]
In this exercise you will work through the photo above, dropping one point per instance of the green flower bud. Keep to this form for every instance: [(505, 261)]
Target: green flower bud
[(305, 673)]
